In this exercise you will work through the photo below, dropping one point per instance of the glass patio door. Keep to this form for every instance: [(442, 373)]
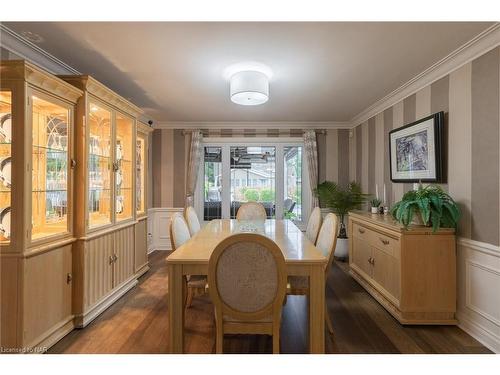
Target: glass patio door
[(253, 177)]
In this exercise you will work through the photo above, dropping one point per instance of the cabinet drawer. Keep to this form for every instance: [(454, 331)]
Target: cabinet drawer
[(381, 241), (385, 243), (360, 232)]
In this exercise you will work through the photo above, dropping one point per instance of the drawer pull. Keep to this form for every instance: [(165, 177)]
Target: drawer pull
[(384, 241), (361, 230), (69, 278)]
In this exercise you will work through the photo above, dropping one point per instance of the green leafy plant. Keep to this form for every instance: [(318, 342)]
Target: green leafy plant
[(340, 201), (375, 202), (251, 195), (267, 195), (432, 203)]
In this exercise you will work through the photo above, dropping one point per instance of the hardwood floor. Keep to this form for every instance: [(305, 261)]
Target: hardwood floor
[(138, 323)]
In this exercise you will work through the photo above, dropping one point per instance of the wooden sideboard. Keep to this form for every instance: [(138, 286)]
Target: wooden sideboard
[(412, 273)]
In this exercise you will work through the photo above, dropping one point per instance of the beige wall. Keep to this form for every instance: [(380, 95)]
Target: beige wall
[(469, 96)]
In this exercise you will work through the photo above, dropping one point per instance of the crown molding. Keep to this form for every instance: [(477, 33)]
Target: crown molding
[(329, 125), (479, 45), (29, 51)]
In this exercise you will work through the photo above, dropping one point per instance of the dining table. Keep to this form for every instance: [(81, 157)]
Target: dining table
[(302, 258)]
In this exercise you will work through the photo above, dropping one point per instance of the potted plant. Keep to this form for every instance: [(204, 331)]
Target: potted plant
[(340, 201), (429, 205), (375, 203)]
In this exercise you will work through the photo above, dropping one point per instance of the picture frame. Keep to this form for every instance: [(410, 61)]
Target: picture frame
[(415, 150)]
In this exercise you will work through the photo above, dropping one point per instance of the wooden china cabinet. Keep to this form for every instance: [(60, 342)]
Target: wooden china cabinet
[(36, 206), (104, 255)]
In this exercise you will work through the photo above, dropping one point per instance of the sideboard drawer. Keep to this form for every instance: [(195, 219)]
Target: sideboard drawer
[(385, 243), (361, 232), (381, 241)]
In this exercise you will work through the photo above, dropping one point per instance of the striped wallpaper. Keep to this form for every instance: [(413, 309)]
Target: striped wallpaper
[(170, 158), (170, 155), (470, 98)]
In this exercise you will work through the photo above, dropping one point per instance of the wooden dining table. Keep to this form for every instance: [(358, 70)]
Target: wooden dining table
[(302, 258)]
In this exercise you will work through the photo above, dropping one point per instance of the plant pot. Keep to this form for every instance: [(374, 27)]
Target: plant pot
[(342, 248), (375, 210), (417, 220)]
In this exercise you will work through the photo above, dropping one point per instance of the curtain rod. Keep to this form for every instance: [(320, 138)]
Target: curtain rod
[(257, 133)]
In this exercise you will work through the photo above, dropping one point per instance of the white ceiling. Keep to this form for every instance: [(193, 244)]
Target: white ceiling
[(321, 71)]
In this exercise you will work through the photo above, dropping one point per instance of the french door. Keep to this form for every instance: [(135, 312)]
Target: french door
[(269, 171)]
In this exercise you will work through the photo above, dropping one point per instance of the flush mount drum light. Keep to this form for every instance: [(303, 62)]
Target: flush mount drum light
[(249, 88)]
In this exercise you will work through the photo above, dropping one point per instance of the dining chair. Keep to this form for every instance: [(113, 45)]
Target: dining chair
[(179, 234), (247, 284), (313, 225), (192, 220), (326, 242), (251, 211)]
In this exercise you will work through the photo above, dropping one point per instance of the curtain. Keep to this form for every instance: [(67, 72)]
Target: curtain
[(195, 153), (311, 150)]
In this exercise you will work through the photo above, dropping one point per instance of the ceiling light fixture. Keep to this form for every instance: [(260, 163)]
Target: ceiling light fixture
[(249, 87)]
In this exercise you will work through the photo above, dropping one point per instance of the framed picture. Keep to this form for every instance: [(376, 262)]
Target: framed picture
[(415, 150)]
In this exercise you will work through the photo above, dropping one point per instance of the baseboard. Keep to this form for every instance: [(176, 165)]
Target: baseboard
[(141, 271), (43, 342), (81, 321), (160, 248), (485, 337)]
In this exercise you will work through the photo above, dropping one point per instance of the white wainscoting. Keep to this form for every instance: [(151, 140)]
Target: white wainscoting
[(158, 224), (478, 309)]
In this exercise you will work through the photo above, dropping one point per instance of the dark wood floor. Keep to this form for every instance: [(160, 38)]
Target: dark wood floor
[(138, 323)]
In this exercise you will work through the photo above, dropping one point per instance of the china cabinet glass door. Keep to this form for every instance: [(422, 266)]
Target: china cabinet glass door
[(99, 166), (50, 140), (123, 167), (140, 159), (5, 164)]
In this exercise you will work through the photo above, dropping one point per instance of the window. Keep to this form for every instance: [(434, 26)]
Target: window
[(269, 171)]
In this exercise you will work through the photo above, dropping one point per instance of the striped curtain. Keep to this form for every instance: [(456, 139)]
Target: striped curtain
[(311, 151), (195, 151)]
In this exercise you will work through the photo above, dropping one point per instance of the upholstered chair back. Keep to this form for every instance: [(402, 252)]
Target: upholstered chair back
[(327, 237), (192, 220), (246, 277), (251, 211), (179, 231), (313, 225)]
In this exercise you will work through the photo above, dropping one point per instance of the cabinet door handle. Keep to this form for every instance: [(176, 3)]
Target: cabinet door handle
[(111, 259), (115, 258), (361, 230), (73, 163), (69, 278), (384, 241)]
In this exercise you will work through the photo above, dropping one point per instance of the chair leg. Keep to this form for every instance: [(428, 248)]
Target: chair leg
[(219, 337), (328, 321), (276, 339)]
